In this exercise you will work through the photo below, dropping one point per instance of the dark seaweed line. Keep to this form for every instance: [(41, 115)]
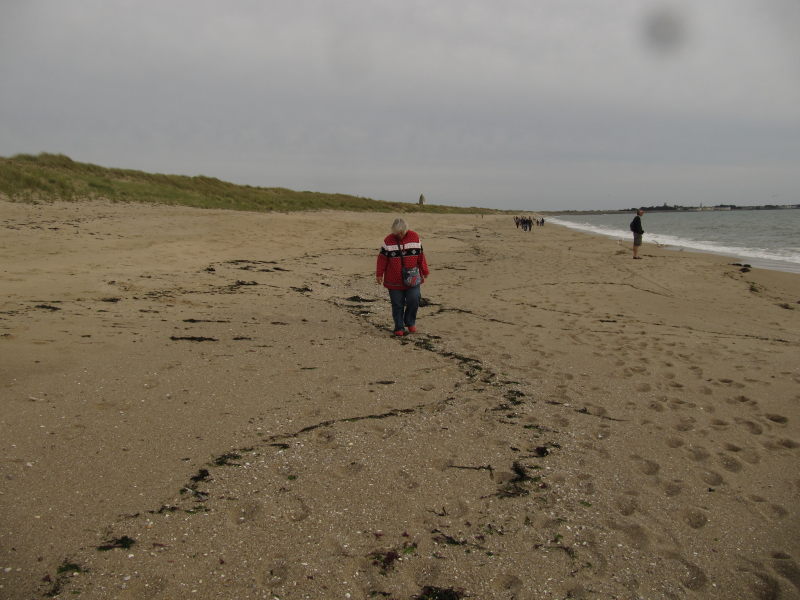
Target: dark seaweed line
[(276, 439), (204, 475), (395, 412), (468, 365), (471, 366)]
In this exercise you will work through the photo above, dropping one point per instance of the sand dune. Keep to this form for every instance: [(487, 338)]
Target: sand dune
[(209, 404)]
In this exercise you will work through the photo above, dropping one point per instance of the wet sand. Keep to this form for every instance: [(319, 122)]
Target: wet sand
[(210, 404)]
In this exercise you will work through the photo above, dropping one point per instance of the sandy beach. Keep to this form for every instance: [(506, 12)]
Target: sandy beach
[(210, 404)]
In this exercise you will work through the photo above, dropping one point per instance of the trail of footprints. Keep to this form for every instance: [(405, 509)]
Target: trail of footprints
[(663, 395)]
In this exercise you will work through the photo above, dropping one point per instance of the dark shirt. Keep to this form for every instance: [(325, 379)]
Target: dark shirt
[(636, 225)]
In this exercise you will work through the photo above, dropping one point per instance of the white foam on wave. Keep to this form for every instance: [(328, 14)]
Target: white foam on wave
[(786, 259)]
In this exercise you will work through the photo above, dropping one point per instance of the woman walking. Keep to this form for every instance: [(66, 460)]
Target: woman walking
[(401, 254)]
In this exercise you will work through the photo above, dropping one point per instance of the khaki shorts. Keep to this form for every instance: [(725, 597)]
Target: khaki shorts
[(637, 239)]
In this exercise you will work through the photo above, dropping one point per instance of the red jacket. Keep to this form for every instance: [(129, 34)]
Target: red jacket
[(388, 265)]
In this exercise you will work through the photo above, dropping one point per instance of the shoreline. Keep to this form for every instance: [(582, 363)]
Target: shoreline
[(757, 262), (221, 392)]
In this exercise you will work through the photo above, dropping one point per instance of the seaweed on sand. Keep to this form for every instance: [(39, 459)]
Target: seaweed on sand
[(515, 487), (123, 542)]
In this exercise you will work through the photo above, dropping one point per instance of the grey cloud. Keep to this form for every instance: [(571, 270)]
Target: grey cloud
[(475, 102)]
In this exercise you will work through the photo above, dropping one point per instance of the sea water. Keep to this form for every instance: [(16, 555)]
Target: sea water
[(763, 238)]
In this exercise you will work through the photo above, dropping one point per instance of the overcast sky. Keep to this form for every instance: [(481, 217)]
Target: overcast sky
[(519, 104)]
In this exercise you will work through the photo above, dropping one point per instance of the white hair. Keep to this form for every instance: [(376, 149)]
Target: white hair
[(399, 227)]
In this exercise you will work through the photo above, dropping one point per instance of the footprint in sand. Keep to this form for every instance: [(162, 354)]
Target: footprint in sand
[(747, 454), (278, 572), (692, 577), (459, 509), (779, 510), (579, 592), (695, 578), (649, 467), (597, 410), (585, 484), (508, 582), (674, 442), (297, 510), (712, 478), (742, 400), (729, 463), (409, 480), (636, 534), (351, 469), (698, 453), (695, 518), (246, 513), (785, 566), (626, 505), (751, 427), (750, 456), (672, 488), (327, 439), (777, 418), (764, 586)]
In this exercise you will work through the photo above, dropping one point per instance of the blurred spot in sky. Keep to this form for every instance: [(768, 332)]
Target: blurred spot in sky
[(665, 30)]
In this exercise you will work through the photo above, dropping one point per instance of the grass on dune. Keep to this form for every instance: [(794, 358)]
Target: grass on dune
[(48, 177)]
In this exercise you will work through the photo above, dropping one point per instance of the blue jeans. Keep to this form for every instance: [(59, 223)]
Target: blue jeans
[(404, 307)]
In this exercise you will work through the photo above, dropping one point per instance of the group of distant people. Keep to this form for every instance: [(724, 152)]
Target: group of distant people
[(527, 223)]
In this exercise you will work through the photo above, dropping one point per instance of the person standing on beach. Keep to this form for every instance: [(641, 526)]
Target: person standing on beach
[(636, 228), (401, 250)]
